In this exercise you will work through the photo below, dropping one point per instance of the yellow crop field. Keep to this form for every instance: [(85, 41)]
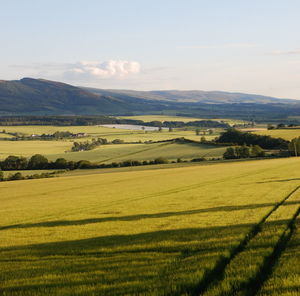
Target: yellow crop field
[(3, 135), (28, 148), (200, 230), (287, 134), (120, 152), (162, 118), (108, 133), (48, 129)]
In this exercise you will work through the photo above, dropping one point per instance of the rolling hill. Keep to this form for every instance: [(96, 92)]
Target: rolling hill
[(194, 96), (39, 96), (30, 96)]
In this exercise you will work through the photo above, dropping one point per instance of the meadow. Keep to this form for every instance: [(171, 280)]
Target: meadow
[(287, 134), (29, 148), (162, 118), (121, 152), (213, 229)]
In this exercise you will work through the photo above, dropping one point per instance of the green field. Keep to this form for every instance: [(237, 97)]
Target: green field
[(108, 133), (28, 148), (120, 152), (49, 129), (287, 134), (60, 148), (162, 118), (219, 229)]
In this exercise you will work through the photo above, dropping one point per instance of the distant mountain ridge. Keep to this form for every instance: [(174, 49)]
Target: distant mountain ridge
[(194, 96), (30, 96)]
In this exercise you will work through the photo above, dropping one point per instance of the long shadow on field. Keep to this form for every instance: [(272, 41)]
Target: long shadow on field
[(217, 234), (203, 235), (118, 264), (57, 223)]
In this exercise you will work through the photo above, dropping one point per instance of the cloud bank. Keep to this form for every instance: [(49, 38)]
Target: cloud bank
[(102, 70)]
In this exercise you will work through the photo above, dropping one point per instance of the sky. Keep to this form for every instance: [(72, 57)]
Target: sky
[(229, 45)]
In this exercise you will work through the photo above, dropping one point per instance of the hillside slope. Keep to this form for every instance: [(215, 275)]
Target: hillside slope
[(38, 96), (30, 96), (194, 96)]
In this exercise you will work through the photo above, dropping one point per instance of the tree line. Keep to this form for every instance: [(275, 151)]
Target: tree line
[(233, 136), (98, 120), (243, 152), (19, 176), (55, 136)]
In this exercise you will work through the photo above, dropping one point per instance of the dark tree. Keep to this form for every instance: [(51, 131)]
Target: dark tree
[(38, 162)]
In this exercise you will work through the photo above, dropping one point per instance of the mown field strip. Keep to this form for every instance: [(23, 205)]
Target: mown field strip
[(243, 272)]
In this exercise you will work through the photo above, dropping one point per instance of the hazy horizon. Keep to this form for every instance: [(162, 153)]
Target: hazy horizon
[(233, 46)]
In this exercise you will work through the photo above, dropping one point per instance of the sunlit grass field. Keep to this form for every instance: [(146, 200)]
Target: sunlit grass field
[(6, 136), (152, 232), (121, 152), (162, 118), (28, 148), (49, 129), (60, 148), (287, 134), (106, 132)]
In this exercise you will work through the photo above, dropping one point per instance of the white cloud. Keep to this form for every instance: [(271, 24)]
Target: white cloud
[(102, 70), (285, 52), (228, 45)]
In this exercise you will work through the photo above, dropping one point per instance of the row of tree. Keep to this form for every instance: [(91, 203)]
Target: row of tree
[(19, 176), (233, 136), (40, 162), (97, 120), (90, 145), (294, 146), (243, 152)]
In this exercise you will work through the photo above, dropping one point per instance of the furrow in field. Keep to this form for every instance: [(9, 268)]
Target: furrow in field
[(249, 264), (224, 276)]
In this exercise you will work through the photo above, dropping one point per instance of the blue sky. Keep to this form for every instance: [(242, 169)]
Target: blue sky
[(231, 45)]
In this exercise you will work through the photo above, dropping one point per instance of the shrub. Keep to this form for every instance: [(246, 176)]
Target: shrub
[(160, 160)]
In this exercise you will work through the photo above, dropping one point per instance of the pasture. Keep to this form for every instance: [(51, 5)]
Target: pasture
[(120, 152), (28, 148), (162, 118), (208, 229), (287, 134)]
